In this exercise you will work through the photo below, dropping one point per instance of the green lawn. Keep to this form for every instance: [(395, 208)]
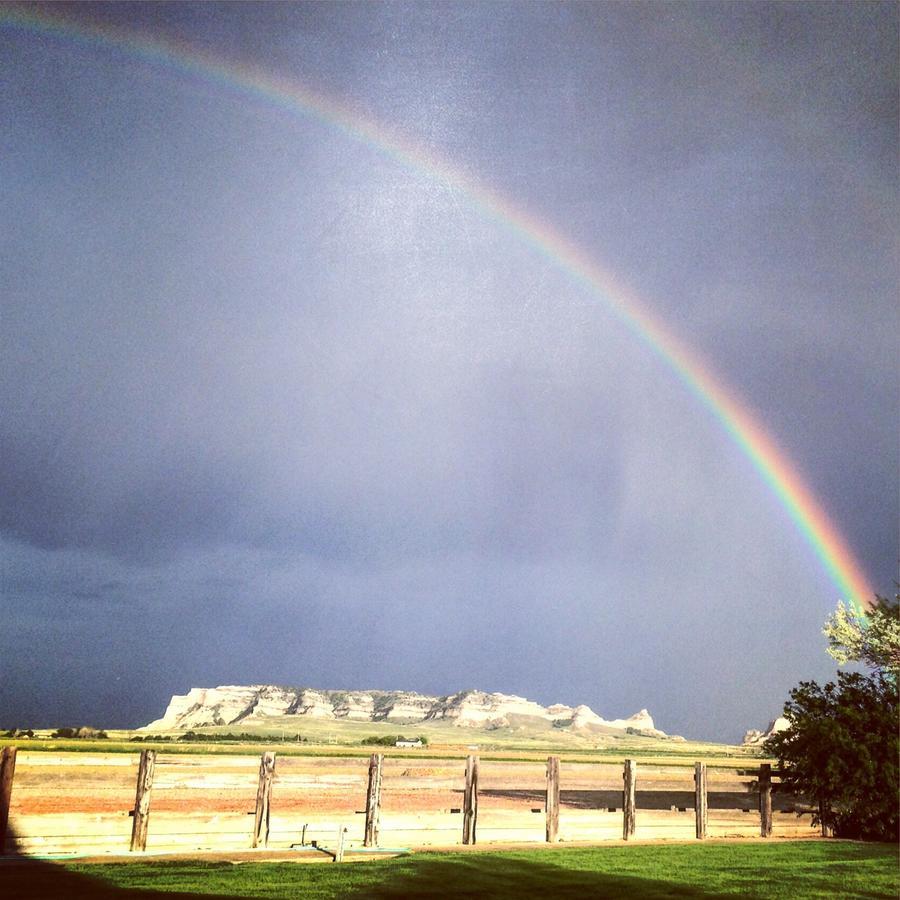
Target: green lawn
[(790, 870)]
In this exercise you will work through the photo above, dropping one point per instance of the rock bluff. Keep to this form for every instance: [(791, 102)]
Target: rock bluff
[(755, 737), (230, 704)]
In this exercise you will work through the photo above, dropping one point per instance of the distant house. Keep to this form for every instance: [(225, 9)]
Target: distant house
[(409, 742)]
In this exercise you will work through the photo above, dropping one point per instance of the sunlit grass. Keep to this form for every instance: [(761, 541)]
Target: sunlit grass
[(449, 745), (782, 869)]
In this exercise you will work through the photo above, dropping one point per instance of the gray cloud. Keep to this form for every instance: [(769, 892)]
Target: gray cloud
[(312, 418)]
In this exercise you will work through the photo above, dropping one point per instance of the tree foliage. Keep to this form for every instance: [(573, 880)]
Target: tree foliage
[(389, 740), (842, 749), (873, 639), (84, 732)]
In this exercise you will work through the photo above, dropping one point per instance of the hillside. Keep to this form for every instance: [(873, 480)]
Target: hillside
[(273, 706)]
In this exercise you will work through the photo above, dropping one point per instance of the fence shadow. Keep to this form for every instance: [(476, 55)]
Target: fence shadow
[(495, 878), (658, 800), (26, 878)]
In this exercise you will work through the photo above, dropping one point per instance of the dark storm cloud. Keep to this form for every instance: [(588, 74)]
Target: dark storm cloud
[(253, 371)]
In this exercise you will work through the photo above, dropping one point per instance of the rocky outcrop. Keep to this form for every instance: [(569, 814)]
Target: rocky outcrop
[(209, 706), (478, 709), (229, 704), (404, 706), (584, 718), (754, 736)]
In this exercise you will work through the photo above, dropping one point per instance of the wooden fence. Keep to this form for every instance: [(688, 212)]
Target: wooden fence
[(87, 803)]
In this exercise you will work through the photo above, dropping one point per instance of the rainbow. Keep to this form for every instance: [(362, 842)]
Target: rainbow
[(257, 85)]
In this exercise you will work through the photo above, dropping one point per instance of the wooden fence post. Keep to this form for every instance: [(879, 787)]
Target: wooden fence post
[(141, 811), (765, 800), (552, 805), (339, 850), (373, 800), (470, 800), (7, 770), (263, 799), (827, 830), (629, 777), (701, 800)]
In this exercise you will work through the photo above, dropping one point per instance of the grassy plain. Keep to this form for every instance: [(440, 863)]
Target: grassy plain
[(527, 739), (793, 870)]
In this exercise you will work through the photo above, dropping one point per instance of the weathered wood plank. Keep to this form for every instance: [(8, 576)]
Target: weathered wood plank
[(629, 776), (7, 771), (824, 823), (237, 841), (142, 800), (765, 800), (552, 801), (373, 800), (203, 808), (701, 809), (71, 825), (72, 759), (470, 801), (263, 799)]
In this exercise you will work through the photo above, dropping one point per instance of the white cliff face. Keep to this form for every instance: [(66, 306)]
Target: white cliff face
[(272, 701), (356, 706), (475, 708), (230, 704), (403, 706), (583, 717), (315, 704), (207, 706), (755, 736)]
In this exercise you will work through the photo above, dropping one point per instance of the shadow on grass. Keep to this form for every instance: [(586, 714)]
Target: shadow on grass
[(471, 876), (26, 878), (491, 879), (498, 878), (786, 872), (33, 880)]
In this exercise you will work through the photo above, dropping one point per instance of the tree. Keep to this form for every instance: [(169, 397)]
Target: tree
[(841, 750), (872, 639)]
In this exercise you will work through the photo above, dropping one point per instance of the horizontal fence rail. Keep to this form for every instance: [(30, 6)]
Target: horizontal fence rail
[(152, 802)]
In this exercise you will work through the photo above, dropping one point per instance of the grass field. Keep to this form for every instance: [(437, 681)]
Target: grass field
[(790, 870), (445, 742)]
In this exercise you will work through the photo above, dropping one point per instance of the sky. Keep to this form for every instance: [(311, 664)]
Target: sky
[(281, 406)]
